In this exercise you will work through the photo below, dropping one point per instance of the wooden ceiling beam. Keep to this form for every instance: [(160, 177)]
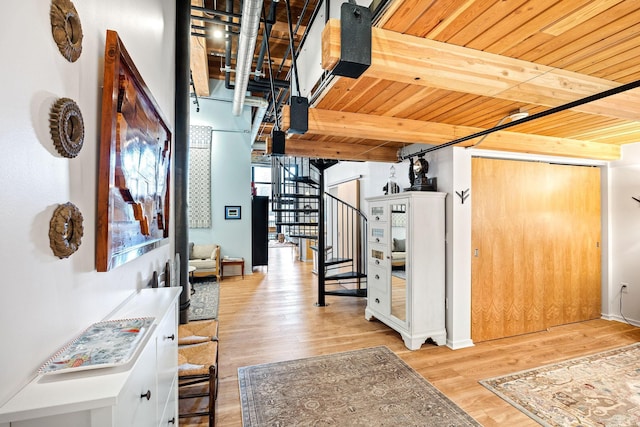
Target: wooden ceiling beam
[(425, 62), (382, 128), (336, 150), (199, 62)]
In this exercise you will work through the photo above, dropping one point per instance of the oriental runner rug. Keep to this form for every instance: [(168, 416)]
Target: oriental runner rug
[(598, 390), (369, 387), (204, 300)]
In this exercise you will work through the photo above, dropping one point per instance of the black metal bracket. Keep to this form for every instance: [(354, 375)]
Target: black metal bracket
[(195, 95), (637, 200)]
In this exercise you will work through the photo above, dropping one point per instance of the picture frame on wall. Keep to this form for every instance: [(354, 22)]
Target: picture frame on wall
[(232, 212), (134, 164)]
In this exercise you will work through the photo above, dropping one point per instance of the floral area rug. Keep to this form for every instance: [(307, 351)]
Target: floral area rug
[(369, 387), (598, 390), (204, 300)]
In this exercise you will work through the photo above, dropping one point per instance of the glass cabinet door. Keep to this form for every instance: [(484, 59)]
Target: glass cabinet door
[(399, 257)]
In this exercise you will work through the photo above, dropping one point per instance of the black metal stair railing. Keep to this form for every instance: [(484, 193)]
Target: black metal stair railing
[(298, 205), (346, 249), (295, 197)]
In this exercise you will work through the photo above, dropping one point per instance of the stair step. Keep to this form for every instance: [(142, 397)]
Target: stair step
[(300, 179), (294, 196), (348, 292), (304, 236), (345, 275), (295, 210), (334, 261)]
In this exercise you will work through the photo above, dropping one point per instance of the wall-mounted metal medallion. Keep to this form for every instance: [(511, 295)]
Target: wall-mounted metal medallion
[(65, 230), (67, 127), (66, 29)]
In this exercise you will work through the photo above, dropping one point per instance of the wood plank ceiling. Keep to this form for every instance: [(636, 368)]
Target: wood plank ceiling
[(443, 69)]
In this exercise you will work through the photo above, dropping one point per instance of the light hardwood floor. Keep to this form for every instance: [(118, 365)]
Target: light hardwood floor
[(270, 316)]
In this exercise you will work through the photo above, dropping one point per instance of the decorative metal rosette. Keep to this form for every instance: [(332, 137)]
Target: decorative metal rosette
[(66, 29), (65, 230), (67, 127)]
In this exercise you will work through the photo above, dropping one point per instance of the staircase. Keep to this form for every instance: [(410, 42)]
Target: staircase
[(298, 203)]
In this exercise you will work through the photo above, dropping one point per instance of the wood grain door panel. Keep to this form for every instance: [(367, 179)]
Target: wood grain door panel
[(535, 237)]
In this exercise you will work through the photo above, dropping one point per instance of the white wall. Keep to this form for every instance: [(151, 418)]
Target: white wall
[(230, 173), (46, 301), (624, 260)]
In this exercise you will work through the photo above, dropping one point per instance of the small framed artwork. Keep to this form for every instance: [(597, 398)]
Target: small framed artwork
[(232, 212)]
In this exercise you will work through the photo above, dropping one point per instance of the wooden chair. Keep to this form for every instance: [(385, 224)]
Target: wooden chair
[(198, 379), (198, 331)]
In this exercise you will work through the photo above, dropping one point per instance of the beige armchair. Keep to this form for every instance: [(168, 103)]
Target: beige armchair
[(205, 259)]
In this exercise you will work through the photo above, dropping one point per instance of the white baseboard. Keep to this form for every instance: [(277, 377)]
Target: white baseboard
[(620, 319), (457, 345)]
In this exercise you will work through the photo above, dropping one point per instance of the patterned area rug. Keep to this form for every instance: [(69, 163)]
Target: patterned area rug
[(598, 390), (370, 387), (204, 301)]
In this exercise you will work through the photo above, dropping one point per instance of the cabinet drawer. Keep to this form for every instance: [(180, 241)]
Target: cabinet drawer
[(378, 255), (377, 213), (170, 413), (378, 233), (167, 343), (378, 279), (133, 409), (378, 301)]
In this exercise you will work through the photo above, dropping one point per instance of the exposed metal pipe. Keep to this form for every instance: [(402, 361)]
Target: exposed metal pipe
[(262, 105), (258, 85), (227, 14), (563, 107), (246, 45), (265, 40), (214, 20)]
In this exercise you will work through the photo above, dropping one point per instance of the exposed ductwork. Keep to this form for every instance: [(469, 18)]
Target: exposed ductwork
[(246, 45)]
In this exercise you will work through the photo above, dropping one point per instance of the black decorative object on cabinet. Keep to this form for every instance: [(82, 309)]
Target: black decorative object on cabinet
[(260, 230)]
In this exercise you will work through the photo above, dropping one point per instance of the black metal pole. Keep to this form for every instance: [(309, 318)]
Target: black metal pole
[(181, 150), (321, 240)]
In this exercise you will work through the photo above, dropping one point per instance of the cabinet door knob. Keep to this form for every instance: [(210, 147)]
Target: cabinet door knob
[(147, 395), (171, 337), (172, 421), (377, 262), (377, 300), (377, 218), (377, 277), (377, 240)]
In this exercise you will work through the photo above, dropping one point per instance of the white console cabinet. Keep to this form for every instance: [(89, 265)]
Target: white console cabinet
[(141, 393), (406, 265)]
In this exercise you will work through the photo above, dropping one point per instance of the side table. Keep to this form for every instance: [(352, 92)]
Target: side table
[(231, 261)]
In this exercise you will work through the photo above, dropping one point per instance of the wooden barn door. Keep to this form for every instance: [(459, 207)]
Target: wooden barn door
[(536, 246)]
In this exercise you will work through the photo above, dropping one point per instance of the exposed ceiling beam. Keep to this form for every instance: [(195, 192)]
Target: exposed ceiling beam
[(337, 151), (382, 128), (199, 62), (420, 61)]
